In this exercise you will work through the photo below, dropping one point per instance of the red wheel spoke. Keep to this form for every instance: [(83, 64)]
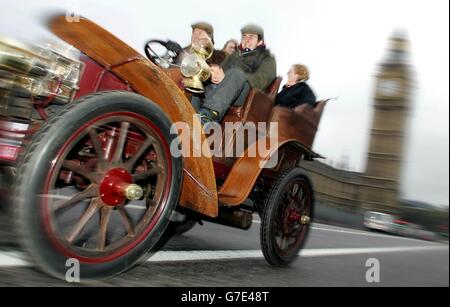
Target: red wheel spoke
[(123, 134), (298, 192), (87, 215), (131, 162), (80, 170), (302, 195), (295, 231), (292, 200), (126, 221), (283, 243), (97, 144), (105, 215), (90, 192), (293, 192), (152, 172), (297, 199), (303, 201), (151, 203)]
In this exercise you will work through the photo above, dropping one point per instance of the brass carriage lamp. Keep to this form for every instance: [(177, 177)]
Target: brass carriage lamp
[(194, 67)]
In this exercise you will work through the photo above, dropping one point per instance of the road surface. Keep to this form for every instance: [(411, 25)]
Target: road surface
[(213, 255)]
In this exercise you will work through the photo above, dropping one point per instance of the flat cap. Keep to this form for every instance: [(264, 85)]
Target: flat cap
[(253, 29), (208, 28)]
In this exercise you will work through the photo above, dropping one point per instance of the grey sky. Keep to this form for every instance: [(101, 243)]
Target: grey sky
[(341, 41)]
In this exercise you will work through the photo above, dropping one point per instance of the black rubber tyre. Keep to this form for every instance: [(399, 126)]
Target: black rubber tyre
[(36, 179), (282, 214)]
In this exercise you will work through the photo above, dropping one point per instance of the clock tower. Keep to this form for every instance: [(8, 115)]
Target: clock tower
[(387, 137)]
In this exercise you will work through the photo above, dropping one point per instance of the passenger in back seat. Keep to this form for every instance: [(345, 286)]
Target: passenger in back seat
[(296, 92)]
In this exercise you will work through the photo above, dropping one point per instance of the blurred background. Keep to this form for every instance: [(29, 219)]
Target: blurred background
[(386, 137)]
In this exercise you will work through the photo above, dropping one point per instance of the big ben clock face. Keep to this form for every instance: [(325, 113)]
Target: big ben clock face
[(390, 88)]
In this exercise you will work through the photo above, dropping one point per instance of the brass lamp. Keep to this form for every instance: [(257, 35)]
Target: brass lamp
[(194, 67), (38, 72)]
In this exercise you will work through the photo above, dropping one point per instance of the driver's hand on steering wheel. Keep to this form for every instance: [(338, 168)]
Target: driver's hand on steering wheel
[(217, 74)]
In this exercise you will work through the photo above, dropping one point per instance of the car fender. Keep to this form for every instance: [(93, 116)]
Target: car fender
[(247, 169), (199, 187)]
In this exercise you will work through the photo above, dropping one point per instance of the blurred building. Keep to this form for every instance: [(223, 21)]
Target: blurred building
[(378, 187)]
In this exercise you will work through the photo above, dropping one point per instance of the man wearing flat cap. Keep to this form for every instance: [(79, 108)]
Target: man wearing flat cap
[(253, 66), (201, 30)]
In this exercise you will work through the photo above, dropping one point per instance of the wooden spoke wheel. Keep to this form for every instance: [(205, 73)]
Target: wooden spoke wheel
[(98, 184), (287, 216)]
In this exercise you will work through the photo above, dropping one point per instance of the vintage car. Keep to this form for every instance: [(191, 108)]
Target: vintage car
[(90, 148)]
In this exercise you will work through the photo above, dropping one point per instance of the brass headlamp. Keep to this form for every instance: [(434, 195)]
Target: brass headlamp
[(194, 67), (37, 72)]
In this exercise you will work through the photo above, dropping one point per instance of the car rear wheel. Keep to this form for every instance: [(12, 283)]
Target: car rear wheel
[(287, 215)]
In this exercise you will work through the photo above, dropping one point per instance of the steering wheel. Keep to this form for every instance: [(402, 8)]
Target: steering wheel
[(167, 60)]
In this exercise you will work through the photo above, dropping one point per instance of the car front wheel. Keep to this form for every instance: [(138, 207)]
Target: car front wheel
[(97, 185)]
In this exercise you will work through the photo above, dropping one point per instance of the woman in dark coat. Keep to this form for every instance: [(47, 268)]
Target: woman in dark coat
[(296, 92)]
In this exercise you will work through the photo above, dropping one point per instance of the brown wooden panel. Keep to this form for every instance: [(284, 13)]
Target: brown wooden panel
[(199, 187), (297, 127)]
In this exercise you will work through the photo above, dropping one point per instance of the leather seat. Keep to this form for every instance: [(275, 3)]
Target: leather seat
[(303, 122), (260, 107), (257, 106)]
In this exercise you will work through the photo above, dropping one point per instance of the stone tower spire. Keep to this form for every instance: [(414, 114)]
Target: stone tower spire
[(387, 136)]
